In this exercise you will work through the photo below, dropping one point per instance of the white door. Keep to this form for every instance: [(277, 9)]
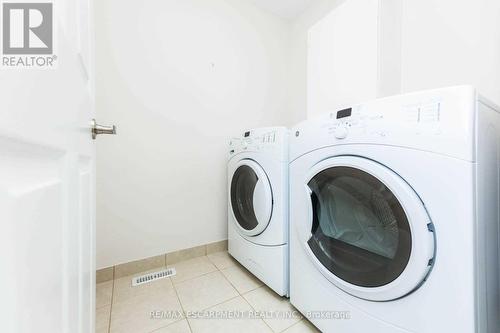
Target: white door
[(367, 231), (251, 198), (47, 190)]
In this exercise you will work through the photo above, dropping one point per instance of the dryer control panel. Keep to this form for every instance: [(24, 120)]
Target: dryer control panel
[(273, 140), (363, 120), (440, 121)]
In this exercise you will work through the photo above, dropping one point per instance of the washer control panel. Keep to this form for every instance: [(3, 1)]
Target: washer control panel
[(260, 140)]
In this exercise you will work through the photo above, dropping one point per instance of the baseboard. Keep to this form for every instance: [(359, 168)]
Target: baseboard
[(134, 267)]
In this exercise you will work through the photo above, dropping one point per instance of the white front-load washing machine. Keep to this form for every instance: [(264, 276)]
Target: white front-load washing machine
[(394, 215), (258, 204)]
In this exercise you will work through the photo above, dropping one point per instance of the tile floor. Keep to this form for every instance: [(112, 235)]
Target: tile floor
[(214, 286)]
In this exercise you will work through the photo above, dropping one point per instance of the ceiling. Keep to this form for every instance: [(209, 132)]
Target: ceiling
[(284, 8)]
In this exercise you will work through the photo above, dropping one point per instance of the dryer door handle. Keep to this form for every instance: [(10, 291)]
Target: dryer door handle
[(310, 215), (262, 202)]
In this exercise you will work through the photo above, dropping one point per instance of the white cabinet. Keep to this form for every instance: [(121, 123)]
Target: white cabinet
[(448, 42), (366, 49)]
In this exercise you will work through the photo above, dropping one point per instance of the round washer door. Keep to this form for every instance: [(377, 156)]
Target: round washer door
[(368, 231), (251, 198)]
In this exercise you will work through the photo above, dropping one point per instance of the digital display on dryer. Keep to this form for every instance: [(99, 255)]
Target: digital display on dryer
[(344, 113)]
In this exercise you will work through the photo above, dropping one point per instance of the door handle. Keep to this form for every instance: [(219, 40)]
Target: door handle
[(100, 129)]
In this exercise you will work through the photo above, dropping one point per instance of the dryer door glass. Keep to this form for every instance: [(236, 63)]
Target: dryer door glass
[(242, 191), (360, 231)]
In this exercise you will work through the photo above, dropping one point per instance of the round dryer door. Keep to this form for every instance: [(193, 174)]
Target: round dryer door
[(251, 198), (370, 234)]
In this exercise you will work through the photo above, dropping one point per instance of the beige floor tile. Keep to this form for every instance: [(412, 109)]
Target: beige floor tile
[(205, 291), (222, 323), (241, 278), (222, 260), (178, 327), (104, 292), (134, 315), (192, 268), (124, 291), (102, 319), (265, 300), (304, 326)]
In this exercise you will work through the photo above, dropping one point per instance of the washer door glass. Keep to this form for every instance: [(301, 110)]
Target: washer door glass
[(360, 231), (251, 198), (242, 189)]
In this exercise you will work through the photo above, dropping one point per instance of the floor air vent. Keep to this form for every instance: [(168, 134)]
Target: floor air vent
[(137, 281)]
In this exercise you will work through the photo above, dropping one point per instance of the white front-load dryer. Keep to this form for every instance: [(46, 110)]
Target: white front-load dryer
[(394, 215), (258, 204)]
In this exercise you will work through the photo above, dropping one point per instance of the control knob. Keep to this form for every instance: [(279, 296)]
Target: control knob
[(341, 132)]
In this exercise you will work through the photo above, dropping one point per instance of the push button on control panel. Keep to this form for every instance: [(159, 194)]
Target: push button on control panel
[(269, 138)]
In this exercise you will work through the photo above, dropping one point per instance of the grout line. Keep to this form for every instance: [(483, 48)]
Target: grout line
[(245, 270), (264, 286), (176, 321), (217, 270), (182, 306), (248, 292), (192, 278), (168, 325), (265, 323), (227, 300), (112, 301), (212, 262), (159, 328), (232, 285), (254, 289), (220, 269), (225, 277), (292, 326), (198, 276), (244, 299), (207, 308)]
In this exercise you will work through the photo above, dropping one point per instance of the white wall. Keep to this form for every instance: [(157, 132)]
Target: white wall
[(449, 42), (178, 78)]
